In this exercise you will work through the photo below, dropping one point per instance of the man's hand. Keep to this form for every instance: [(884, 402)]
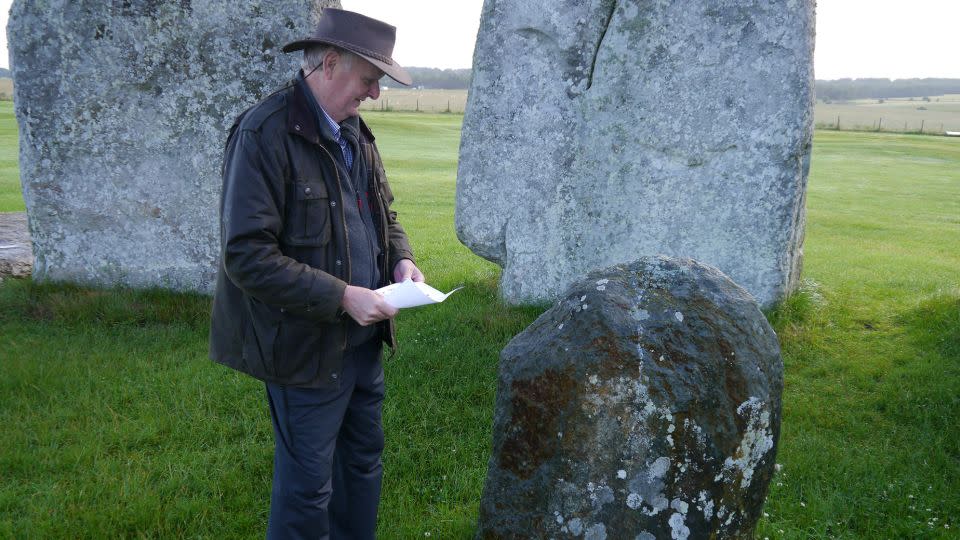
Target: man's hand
[(366, 306), (406, 269)]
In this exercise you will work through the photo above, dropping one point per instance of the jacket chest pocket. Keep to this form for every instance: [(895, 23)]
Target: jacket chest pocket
[(307, 219)]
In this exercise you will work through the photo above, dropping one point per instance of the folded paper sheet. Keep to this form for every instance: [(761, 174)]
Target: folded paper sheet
[(411, 294)]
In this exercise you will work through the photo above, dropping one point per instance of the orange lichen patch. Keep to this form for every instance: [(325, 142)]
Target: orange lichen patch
[(536, 412)]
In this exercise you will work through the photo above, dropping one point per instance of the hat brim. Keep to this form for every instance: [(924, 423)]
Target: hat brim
[(393, 70)]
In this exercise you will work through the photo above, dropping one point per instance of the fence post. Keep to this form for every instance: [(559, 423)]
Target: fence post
[(838, 122), (418, 104), (880, 124), (921, 126)]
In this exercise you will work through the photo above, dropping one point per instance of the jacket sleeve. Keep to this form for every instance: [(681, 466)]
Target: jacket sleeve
[(250, 226)]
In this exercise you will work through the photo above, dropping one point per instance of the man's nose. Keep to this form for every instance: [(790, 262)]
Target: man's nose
[(374, 90)]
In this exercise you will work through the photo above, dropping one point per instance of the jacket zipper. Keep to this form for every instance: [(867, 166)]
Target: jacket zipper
[(343, 221)]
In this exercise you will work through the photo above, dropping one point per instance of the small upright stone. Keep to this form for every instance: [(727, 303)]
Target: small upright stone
[(599, 131), (123, 108), (644, 404), (16, 257)]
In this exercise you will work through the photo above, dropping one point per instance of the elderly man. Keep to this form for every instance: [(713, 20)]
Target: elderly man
[(307, 235)]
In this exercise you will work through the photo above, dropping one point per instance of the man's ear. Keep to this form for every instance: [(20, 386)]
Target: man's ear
[(330, 61)]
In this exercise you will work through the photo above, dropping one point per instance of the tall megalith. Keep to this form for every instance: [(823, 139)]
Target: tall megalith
[(123, 108), (598, 131)]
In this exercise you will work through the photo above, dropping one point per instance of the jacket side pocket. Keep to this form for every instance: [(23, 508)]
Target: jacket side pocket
[(259, 338)]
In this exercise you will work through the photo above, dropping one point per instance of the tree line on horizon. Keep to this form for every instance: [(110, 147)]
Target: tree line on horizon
[(847, 89), (832, 90)]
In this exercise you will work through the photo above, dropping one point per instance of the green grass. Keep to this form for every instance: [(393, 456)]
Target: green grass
[(114, 424), (11, 199)]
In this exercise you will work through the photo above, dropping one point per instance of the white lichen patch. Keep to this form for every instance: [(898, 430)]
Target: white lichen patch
[(597, 531), (680, 506), (678, 527), (634, 501), (757, 440), (574, 527), (621, 474), (678, 316), (657, 505), (659, 468), (706, 505)]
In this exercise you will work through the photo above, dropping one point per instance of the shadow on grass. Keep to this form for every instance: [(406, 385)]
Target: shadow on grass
[(27, 300), (935, 326)]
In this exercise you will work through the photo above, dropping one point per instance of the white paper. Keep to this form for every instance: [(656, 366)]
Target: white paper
[(412, 294)]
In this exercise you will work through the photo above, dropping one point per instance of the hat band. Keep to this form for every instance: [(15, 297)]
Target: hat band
[(356, 48)]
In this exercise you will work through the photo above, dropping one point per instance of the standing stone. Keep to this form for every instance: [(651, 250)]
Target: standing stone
[(644, 404), (123, 108), (16, 259), (598, 131)]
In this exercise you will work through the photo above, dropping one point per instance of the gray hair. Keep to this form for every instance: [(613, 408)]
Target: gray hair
[(313, 56)]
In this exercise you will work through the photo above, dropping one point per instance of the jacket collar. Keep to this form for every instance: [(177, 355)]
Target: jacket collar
[(300, 118), (302, 121)]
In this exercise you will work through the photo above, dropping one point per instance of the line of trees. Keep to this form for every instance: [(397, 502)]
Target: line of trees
[(845, 89), (834, 90), (443, 79)]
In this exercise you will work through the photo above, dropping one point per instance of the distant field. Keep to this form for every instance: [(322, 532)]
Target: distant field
[(404, 99), (941, 113), (6, 88)]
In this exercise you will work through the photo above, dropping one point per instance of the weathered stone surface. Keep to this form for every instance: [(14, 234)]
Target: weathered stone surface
[(123, 109), (598, 131), (16, 258), (644, 404)]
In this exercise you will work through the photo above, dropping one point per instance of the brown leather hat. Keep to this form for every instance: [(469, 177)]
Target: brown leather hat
[(369, 38)]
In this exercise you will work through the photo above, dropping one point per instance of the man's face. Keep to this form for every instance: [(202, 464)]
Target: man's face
[(349, 86)]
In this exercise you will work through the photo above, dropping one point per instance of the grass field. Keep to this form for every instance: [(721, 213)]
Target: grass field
[(901, 115), (11, 200), (113, 423), (940, 114), (409, 99)]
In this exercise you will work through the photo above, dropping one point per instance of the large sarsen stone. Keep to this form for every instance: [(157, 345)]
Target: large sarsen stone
[(644, 404), (598, 131), (123, 109)]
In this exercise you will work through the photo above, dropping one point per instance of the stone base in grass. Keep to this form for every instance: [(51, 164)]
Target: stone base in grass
[(16, 254)]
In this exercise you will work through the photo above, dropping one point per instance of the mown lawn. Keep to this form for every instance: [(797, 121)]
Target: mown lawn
[(114, 424), (10, 198)]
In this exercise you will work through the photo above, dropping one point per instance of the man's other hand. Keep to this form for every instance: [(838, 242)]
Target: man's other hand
[(406, 269), (366, 306)]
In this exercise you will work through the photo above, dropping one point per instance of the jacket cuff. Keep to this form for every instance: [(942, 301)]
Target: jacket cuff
[(325, 297)]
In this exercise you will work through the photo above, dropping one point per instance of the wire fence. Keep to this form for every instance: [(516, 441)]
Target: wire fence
[(433, 101)]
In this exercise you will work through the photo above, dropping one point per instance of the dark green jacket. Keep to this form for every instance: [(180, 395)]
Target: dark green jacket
[(284, 255)]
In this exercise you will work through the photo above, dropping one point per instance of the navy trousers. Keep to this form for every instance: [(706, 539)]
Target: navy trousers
[(326, 463)]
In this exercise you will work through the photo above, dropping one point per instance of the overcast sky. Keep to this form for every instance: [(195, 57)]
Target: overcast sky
[(855, 38)]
